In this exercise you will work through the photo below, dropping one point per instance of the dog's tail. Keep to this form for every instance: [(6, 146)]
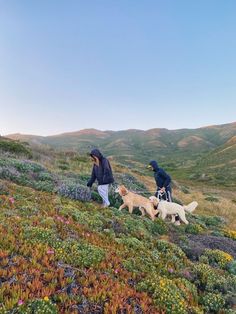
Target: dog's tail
[(191, 207)]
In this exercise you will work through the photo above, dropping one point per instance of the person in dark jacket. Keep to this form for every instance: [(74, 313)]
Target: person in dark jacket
[(101, 172), (162, 179)]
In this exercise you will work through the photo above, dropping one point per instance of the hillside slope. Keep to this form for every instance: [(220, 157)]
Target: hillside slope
[(61, 255), (64, 256)]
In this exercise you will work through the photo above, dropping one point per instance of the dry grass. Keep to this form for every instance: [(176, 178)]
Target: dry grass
[(225, 207)]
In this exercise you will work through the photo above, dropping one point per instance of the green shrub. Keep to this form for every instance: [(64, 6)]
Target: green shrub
[(3, 189), (213, 302), (231, 267), (135, 227), (40, 235), (212, 199), (75, 191), (211, 221), (132, 243), (14, 147), (193, 229), (218, 258), (156, 227), (95, 222), (38, 307), (184, 189), (79, 253), (212, 280), (171, 296), (142, 264)]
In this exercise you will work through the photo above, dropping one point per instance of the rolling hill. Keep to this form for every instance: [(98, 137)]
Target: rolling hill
[(130, 141), (206, 153)]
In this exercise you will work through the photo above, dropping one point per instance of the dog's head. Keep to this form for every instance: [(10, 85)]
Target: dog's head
[(121, 190), (154, 200)]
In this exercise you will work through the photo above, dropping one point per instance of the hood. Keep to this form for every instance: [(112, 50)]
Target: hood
[(96, 152), (154, 165)]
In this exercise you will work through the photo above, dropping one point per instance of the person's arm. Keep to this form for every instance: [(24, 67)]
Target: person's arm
[(155, 177), (92, 179), (107, 171), (166, 177)]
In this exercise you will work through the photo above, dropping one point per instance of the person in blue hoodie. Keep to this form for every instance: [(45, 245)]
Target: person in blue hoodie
[(102, 172), (162, 179)]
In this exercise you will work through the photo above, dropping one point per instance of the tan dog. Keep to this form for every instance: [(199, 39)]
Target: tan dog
[(168, 208), (132, 200)]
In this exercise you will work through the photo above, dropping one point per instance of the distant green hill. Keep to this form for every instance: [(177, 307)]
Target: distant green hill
[(9, 146), (204, 153)]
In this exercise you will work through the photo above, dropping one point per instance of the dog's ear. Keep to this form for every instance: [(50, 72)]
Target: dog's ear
[(123, 190), (154, 200)]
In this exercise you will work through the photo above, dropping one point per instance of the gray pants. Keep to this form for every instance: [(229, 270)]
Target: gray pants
[(103, 192)]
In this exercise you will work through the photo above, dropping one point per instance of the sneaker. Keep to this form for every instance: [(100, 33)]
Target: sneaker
[(105, 205)]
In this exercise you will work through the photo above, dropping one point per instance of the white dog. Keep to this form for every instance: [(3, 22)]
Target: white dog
[(168, 208)]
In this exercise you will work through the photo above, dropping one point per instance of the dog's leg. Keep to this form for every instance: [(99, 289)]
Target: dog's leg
[(130, 208), (183, 218), (122, 206), (163, 215), (152, 217), (172, 218), (151, 212), (142, 211)]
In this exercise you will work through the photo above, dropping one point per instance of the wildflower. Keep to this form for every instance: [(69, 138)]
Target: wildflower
[(171, 270), (50, 252), (11, 200), (186, 273), (46, 299), (20, 302)]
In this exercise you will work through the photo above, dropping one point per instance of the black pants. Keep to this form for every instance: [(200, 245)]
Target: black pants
[(166, 196)]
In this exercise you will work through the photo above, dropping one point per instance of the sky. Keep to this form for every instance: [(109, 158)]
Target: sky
[(116, 64)]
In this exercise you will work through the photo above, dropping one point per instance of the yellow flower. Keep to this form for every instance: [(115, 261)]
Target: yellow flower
[(46, 299)]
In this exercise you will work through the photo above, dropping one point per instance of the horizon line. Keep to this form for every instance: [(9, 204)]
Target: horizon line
[(122, 130)]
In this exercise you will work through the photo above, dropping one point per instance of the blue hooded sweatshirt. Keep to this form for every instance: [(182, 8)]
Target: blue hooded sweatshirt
[(161, 177), (103, 172)]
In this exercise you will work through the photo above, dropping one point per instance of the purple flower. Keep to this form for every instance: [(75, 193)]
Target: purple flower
[(11, 200), (50, 251)]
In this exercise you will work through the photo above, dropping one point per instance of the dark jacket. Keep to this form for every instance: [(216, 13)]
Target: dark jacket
[(161, 177), (103, 172)]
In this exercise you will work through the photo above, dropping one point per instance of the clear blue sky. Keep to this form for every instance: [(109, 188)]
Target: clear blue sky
[(116, 64)]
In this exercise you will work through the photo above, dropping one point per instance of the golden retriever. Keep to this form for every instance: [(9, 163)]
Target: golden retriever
[(168, 208), (132, 200)]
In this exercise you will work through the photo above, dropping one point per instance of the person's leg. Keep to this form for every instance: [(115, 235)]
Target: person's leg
[(168, 195), (103, 192), (169, 199)]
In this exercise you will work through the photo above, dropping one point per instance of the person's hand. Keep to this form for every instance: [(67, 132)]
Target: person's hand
[(163, 189)]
